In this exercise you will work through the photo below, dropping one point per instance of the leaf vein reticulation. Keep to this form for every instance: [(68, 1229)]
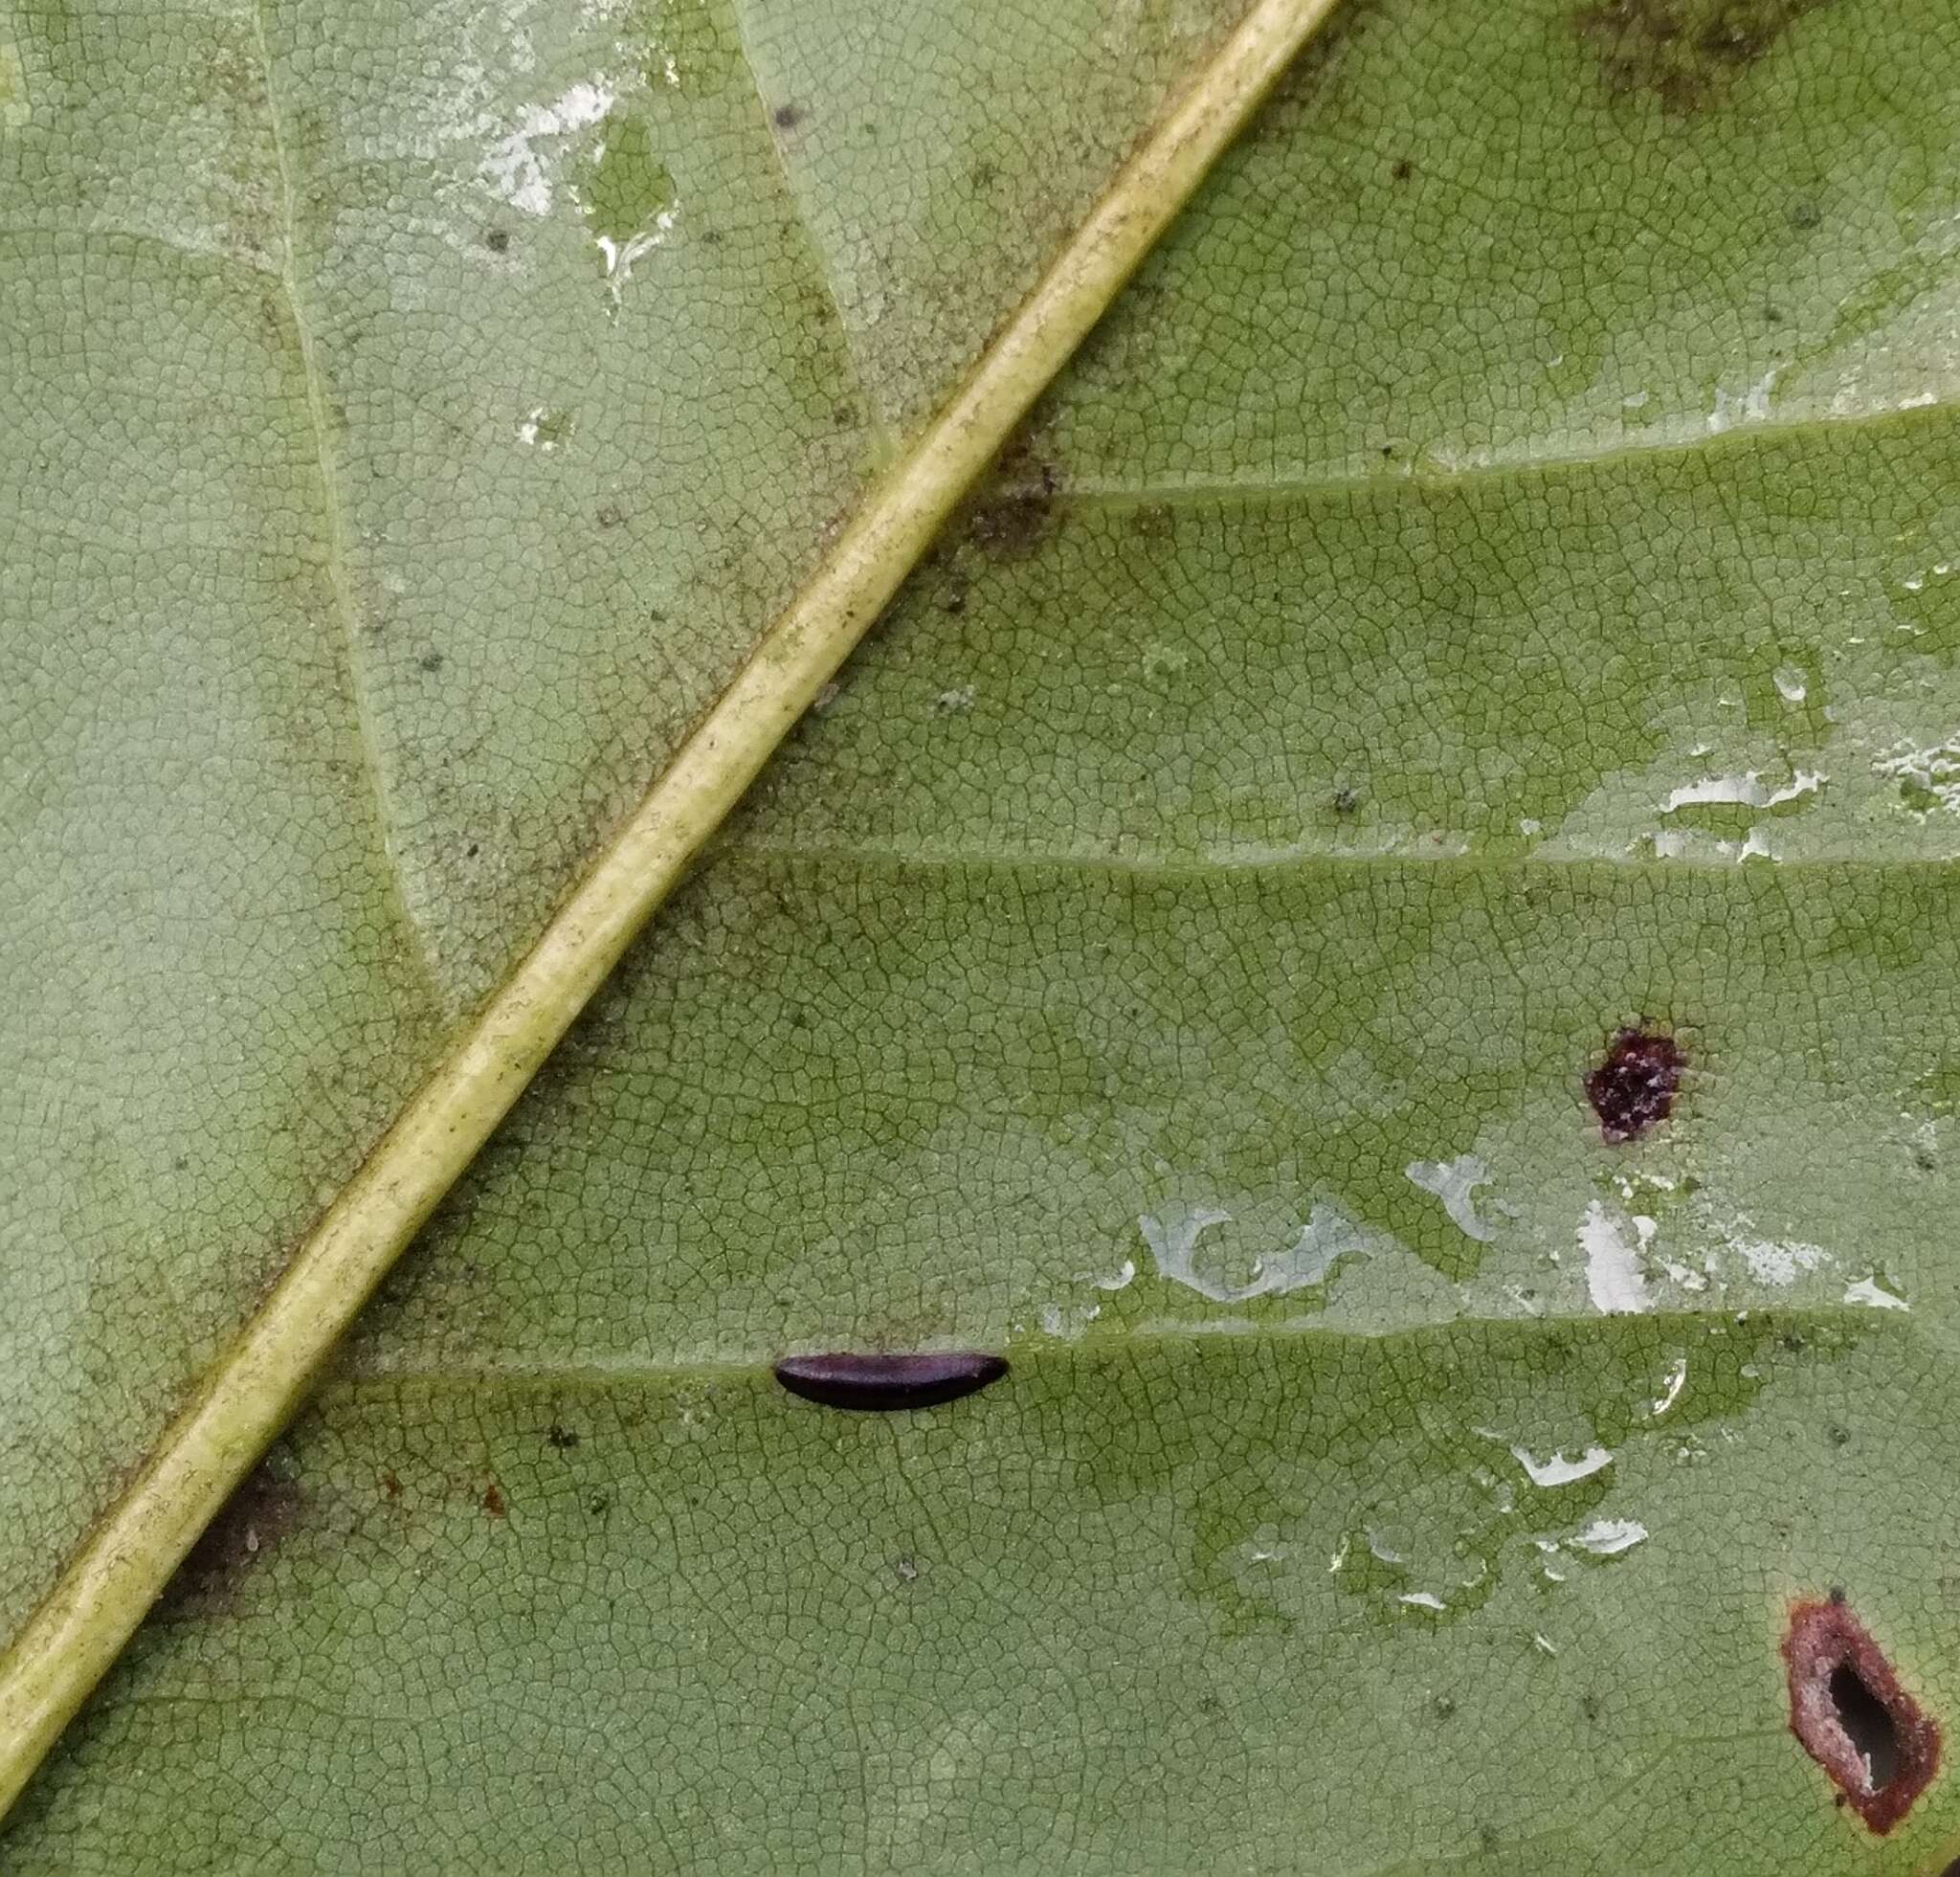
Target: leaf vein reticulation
[(879, 434), (333, 520)]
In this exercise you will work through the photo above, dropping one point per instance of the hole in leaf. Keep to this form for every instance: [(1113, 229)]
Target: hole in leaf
[(1852, 1716), (1864, 1716)]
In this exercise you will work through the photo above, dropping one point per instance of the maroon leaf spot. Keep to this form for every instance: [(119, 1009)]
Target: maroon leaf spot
[(1633, 1088), (1848, 1709)]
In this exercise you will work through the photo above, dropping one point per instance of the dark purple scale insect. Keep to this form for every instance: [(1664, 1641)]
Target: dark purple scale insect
[(1635, 1087), (883, 1383)]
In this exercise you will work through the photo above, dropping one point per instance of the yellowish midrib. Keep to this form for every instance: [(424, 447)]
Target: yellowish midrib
[(71, 1640)]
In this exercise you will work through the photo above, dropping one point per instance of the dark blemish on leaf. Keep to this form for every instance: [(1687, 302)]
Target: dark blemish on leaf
[(471, 852), (1346, 802), (599, 1504), (246, 1532), (907, 1571), (564, 1439), (494, 1502), (954, 598), (1445, 1707), (498, 241), (1839, 1437), (429, 661), (1402, 169), (785, 117), (1804, 213), (1013, 524), (1634, 1089), (609, 517), (883, 1383), (390, 1483), (1853, 1717), (983, 175), (1683, 50), (844, 416)]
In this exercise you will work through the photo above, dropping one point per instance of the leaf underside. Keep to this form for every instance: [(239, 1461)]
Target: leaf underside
[(1492, 582)]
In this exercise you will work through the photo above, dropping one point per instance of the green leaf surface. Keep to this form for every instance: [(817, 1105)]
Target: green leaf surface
[(1492, 581)]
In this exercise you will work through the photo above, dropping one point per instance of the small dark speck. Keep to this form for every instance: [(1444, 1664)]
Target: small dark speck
[(498, 241), (599, 1504), (1805, 214), (1923, 1158), (609, 517), (1346, 802), (1773, 314), (907, 1571), (431, 661), (1445, 1707), (493, 1501), (786, 117), (1403, 169), (983, 174), (471, 852), (1589, 1706), (564, 1439), (390, 1483), (1839, 1437)]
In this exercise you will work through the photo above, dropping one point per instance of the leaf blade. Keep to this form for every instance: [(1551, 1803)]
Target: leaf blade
[(63, 1649)]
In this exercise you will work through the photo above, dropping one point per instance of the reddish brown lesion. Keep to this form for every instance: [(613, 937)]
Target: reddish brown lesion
[(1633, 1088), (1835, 1666)]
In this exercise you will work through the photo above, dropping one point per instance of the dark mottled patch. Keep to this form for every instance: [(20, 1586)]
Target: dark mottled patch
[(429, 661), (1346, 800), (1015, 524), (1634, 1089), (245, 1533), (390, 1483), (1853, 1717), (609, 516), (599, 1504), (1402, 169), (562, 1437), (1683, 50), (786, 117), (498, 241), (883, 1383), (494, 1502)]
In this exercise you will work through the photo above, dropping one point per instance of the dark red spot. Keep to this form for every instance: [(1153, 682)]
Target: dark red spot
[(884, 1382), (494, 1501), (1633, 1088), (390, 1483), (1853, 1717)]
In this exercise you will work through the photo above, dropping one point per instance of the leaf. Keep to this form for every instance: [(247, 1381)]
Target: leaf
[(1274, 828), (630, 204)]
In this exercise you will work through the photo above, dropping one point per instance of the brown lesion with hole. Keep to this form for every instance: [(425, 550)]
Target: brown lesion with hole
[(1852, 1716)]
